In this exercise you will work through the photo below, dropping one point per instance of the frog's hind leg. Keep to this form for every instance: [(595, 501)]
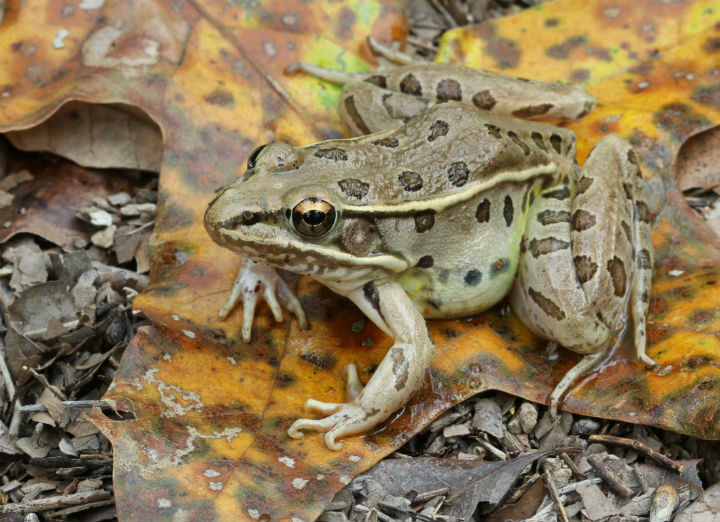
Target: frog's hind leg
[(589, 253)]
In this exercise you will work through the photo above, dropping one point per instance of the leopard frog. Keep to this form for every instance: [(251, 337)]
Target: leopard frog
[(450, 199)]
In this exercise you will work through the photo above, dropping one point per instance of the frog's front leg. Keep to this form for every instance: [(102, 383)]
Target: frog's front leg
[(253, 281), (396, 378), (585, 257)]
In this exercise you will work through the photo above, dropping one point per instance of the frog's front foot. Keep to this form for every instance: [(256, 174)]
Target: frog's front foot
[(254, 280), (343, 418)]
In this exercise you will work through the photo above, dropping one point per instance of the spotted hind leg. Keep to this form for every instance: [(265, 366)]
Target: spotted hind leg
[(587, 254)]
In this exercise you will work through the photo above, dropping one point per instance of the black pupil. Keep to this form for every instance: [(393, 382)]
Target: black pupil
[(253, 156), (314, 217)]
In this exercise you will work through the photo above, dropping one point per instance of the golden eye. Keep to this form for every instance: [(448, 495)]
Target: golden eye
[(313, 217), (254, 156)]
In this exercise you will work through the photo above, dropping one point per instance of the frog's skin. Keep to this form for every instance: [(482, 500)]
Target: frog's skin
[(443, 211)]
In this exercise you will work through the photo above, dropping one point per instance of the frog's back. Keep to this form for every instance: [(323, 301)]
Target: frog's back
[(445, 151), (449, 192)]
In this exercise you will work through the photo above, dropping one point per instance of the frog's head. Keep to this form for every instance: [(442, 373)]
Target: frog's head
[(283, 212)]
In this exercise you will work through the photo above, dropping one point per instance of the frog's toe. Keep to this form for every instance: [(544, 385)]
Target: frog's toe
[(272, 301), (647, 361), (249, 304), (353, 386), (290, 301), (323, 408)]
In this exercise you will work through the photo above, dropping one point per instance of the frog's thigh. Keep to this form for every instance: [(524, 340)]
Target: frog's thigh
[(579, 266), (490, 91), (366, 108)]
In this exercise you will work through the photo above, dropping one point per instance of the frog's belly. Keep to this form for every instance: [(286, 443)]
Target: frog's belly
[(468, 260)]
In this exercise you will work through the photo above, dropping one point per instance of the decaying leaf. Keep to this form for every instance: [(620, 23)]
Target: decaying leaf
[(209, 436), (468, 482)]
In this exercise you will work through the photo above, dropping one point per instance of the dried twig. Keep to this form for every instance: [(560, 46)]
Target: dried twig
[(56, 502), (610, 477), (554, 494), (640, 448)]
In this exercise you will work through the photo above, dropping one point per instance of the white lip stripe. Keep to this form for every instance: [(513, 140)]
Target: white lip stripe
[(440, 203)]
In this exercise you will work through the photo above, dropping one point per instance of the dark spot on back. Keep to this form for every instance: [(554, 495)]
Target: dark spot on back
[(644, 259), (508, 210), (556, 142), (352, 111), (484, 100), (437, 129), (582, 220), (448, 89), (538, 139), (516, 139), (500, 266), (387, 142), (626, 229), (533, 110), (584, 184), (411, 85), (371, 294), (482, 214), (410, 181), (617, 274), (334, 154), (642, 212), (549, 217), (354, 187), (426, 262), (377, 79), (473, 277), (494, 130), (424, 221), (546, 305), (559, 194), (585, 268), (458, 173), (547, 245), (628, 190)]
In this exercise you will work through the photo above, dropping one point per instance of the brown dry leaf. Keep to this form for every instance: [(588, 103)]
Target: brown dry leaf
[(698, 162), (468, 482), (209, 441)]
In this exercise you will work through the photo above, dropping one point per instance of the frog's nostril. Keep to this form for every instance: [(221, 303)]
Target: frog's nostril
[(246, 218)]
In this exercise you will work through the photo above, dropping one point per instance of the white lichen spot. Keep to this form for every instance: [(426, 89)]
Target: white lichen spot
[(232, 361), (181, 515), (676, 273), (89, 5), (175, 317), (167, 357), (109, 47), (612, 12), (164, 503), (180, 453), (354, 458), (299, 483), (189, 334), (269, 49), (135, 312), (289, 462), (59, 41), (176, 400), (254, 513), (345, 479), (211, 473), (289, 20), (643, 85), (297, 519), (319, 476), (6, 94), (152, 454), (216, 486)]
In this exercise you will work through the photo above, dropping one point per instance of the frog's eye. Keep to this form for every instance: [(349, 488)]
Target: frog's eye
[(254, 156), (313, 217)]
